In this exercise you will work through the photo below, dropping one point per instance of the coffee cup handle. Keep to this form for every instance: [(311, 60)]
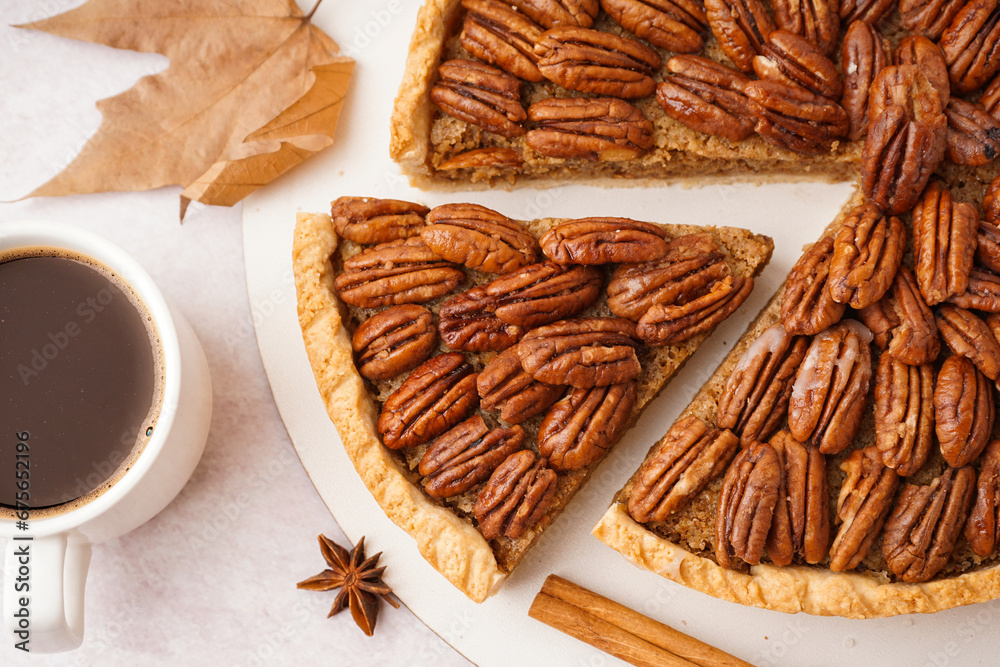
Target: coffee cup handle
[(44, 581)]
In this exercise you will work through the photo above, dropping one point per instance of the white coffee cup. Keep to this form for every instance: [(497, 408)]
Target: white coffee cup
[(53, 555)]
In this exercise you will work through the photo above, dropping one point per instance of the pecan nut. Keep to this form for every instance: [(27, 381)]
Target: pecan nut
[(603, 241), (746, 505), (991, 204), (551, 13), (544, 293), (505, 386), (674, 25), (439, 394), (806, 306), (971, 44), (988, 242), (370, 220), (589, 128), (963, 411), (755, 400), (983, 527), (496, 158), (928, 17), (681, 464), (973, 134), (801, 522), (903, 325), (982, 293), (944, 239), (586, 352), (465, 456), (794, 60), (867, 253), (926, 56), (516, 497), (481, 95), (968, 336), (479, 237), (592, 61), (870, 11), (815, 20), (468, 322), (864, 502), (990, 99), (741, 28), (394, 341), (706, 96), (792, 117), (830, 391), (864, 56), (904, 414), (403, 271), (583, 426), (667, 324), (921, 532), (501, 36)]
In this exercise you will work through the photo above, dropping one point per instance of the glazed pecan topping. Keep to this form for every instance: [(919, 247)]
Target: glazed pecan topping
[(990, 99), (403, 271), (864, 55), (807, 307), (963, 411), (801, 523), (983, 292), (544, 293), (666, 324), (973, 134), (792, 117), (755, 400), (370, 220), (468, 322), (904, 414), (505, 386), (583, 426), (501, 36), (944, 239), (707, 97), (991, 209), (746, 505), (516, 497), (692, 264), (463, 457), (551, 13), (925, 524), (864, 502), (867, 252), (902, 323), (479, 237), (498, 158), (439, 394), (870, 11), (603, 241), (394, 341), (681, 464), (481, 95), (830, 391), (970, 337), (586, 352), (983, 527), (926, 56), (675, 25), (592, 61), (816, 20), (792, 59), (988, 243), (586, 128), (928, 17), (971, 45), (741, 27)]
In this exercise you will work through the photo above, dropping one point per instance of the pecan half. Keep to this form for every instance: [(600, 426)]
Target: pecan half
[(815, 20), (603, 241), (592, 61), (944, 239), (706, 96), (667, 324), (691, 265), (505, 386), (963, 411), (982, 293), (928, 17), (463, 457), (544, 293), (903, 325), (971, 45), (439, 394), (497, 158), (921, 532), (746, 505), (926, 56), (675, 25), (403, 271), (550, 13), (794, 118), (501, 36), (990, 99), (983, 527), (830, 391), (864, 502), (370, 220), (517, 495), (864, 54), (583, 426), (806, 306), (468, 322), (481, 95), (394, 341), (479, 238), (991, 208), (801, 523), (681, 464), (904, 414), (741, 27), (792, 59), (988, 243), (968, 336), (585, 128), (586, 352), (870, 11), (973, 134), (755, 400), (867, 252)]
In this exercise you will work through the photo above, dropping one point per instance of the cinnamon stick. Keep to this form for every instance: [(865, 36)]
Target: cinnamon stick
[(620, 631)]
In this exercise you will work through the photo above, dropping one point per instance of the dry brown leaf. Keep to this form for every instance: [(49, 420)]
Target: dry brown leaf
[(253, 88)]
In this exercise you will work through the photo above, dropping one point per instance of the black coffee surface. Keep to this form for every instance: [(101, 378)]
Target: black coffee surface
[(79, 374)]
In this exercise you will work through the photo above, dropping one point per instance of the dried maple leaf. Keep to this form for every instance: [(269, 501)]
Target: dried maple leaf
[(253, 89)]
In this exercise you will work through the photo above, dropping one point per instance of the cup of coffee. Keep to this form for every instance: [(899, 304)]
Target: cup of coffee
[(105, 404)]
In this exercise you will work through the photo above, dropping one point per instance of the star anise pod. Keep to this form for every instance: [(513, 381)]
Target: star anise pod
[(359, 581)]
